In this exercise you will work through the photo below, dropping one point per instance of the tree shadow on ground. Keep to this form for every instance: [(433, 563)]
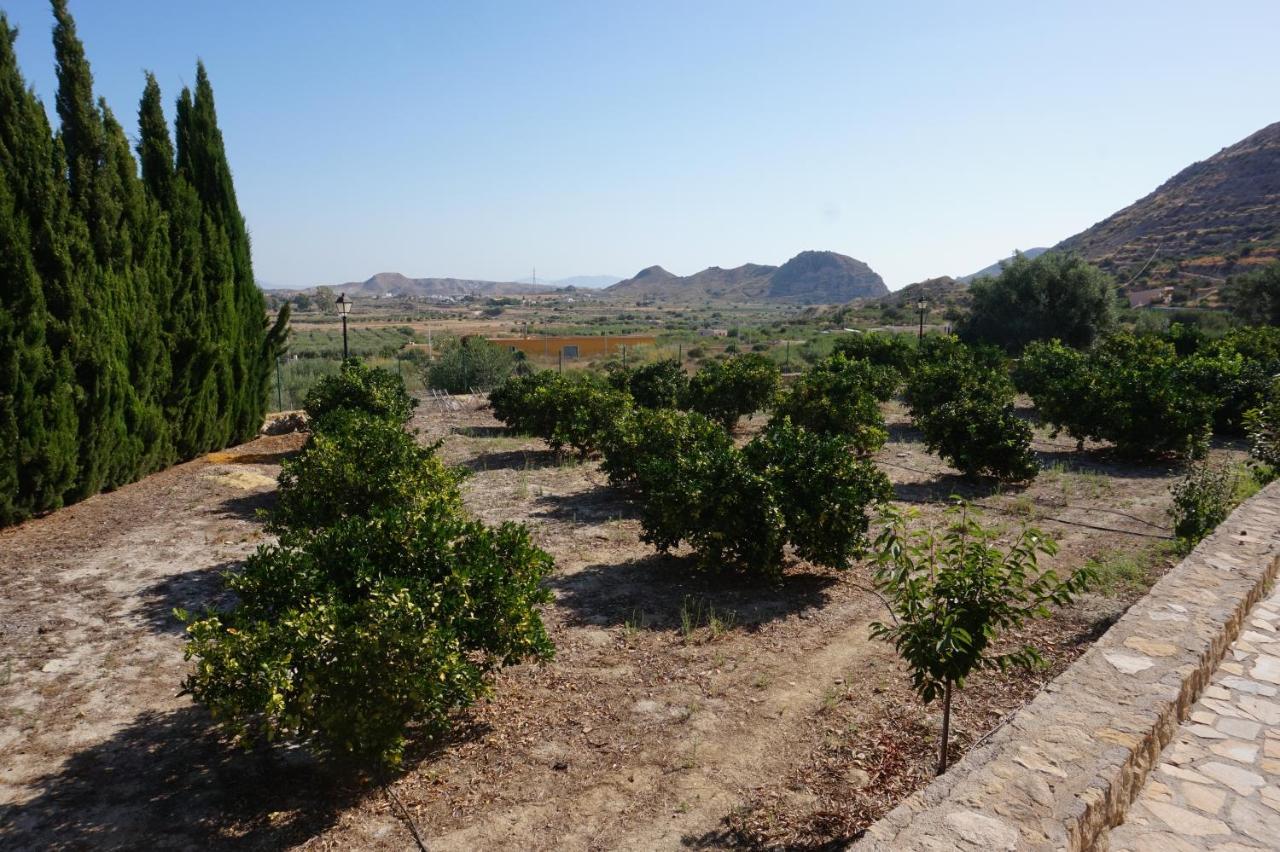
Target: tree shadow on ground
[(247, 506), (649, 593), (946, 486), (902, 432), (1104, 461), (194, 591), (728, 838), (514, 460), (481, 431), (171, 781), (597, 504)]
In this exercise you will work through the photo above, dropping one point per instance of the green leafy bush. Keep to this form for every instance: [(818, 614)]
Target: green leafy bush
[(1055, 295), (372, 390), (726, 390), (1263, 427), (1201, 501), (840, 397), (823, 489), (964, 408), (662, 384), (896, 351), (346, 638), (640, 447), (358, 464), (576, 410), (1134, 392), (469, 363), (953, 594)]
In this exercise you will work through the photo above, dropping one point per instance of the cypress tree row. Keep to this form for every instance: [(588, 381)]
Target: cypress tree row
[(132, 334)]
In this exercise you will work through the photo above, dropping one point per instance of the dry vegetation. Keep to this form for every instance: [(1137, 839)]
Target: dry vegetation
[(681, 710)]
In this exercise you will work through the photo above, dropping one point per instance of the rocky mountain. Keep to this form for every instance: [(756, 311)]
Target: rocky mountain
[(395, 284), (994, 269), (938, 292), (1213, 218), (811, 277)]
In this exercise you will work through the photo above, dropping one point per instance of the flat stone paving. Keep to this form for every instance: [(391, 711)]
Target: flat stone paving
[(1217, 786)]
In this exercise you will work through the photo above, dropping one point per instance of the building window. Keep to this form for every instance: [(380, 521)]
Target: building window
[(570, 351)]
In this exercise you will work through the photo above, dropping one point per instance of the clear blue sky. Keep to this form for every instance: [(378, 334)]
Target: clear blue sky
[(478, 139)]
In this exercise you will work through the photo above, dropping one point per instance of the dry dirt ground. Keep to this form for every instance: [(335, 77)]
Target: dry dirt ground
[(681, 711)]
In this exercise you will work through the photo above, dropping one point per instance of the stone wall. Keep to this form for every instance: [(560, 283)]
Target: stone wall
[(1067, 766)]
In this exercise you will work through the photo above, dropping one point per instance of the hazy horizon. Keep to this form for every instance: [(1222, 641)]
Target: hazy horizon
[(479, 142)]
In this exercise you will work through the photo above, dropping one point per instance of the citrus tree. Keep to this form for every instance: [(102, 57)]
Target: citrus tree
[(726, 390), (952, 593)]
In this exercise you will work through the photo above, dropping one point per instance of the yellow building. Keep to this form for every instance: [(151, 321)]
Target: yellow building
[(574, 346)]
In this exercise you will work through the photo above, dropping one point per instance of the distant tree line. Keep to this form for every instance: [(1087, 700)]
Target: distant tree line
[(132, 334)]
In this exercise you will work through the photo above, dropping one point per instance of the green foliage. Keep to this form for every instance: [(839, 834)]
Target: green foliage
[(897, 351), (727, 390), (952, 594), (662, 384), (358, 464), (471, 362), (1132, 391), (132, 334), (1238, 369), (1255, 296), (575, 409), (382, 607), (1055, 295), (373, 390), (823, 489), (1201, 500), (642, 443), (346, 637), (1263, 427), (964, 408), (840, 397)]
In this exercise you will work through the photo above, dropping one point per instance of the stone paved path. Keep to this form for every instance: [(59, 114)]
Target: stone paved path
[(1218, 783)]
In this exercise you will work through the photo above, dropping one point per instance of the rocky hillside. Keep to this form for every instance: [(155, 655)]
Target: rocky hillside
[(811, 277), (395, 284), (1211, 219)]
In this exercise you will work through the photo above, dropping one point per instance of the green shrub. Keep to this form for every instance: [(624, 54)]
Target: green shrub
[(1055, 295), (896, 351), (964, 408), (576, 410), (1134, 392), (824, 491), (839, 397), (356, 465), (638, 450), (726, 390), (662, 384), (1263, 427), (1201, 501), (346, 638), (1244, 388), (469, 363), (373, 390)]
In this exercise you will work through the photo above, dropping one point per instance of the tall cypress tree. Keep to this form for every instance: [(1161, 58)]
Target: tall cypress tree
[(37, 415)]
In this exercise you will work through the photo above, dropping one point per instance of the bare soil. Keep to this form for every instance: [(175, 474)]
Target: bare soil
[(680, 711)]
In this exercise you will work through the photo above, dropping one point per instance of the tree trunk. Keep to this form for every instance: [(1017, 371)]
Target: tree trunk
[(946, 727)]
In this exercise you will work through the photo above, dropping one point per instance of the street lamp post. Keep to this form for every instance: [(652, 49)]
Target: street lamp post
[(920, 306), (344, 308)]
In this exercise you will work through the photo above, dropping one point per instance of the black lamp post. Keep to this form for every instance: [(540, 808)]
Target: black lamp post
[(920, 306), (344, 308)]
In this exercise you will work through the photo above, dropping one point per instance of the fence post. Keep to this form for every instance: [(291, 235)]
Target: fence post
[(279, 386), (562, 360)]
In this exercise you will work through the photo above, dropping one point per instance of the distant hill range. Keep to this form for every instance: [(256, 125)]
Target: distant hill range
[(1212, 219), (590, 282), (395, 284), (811, 277)]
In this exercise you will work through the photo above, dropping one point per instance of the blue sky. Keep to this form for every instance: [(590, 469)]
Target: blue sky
[(479, 139)]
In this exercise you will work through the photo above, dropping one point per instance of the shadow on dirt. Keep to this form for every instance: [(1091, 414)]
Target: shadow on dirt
[(171, 781), (194, 591), (650, 594), (514, 460), (247, 506), (727, 838), (946, 486), (480, 431), (596, 504)]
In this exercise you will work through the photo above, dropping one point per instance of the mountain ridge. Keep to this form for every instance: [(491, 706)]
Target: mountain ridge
[(811, 277)]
